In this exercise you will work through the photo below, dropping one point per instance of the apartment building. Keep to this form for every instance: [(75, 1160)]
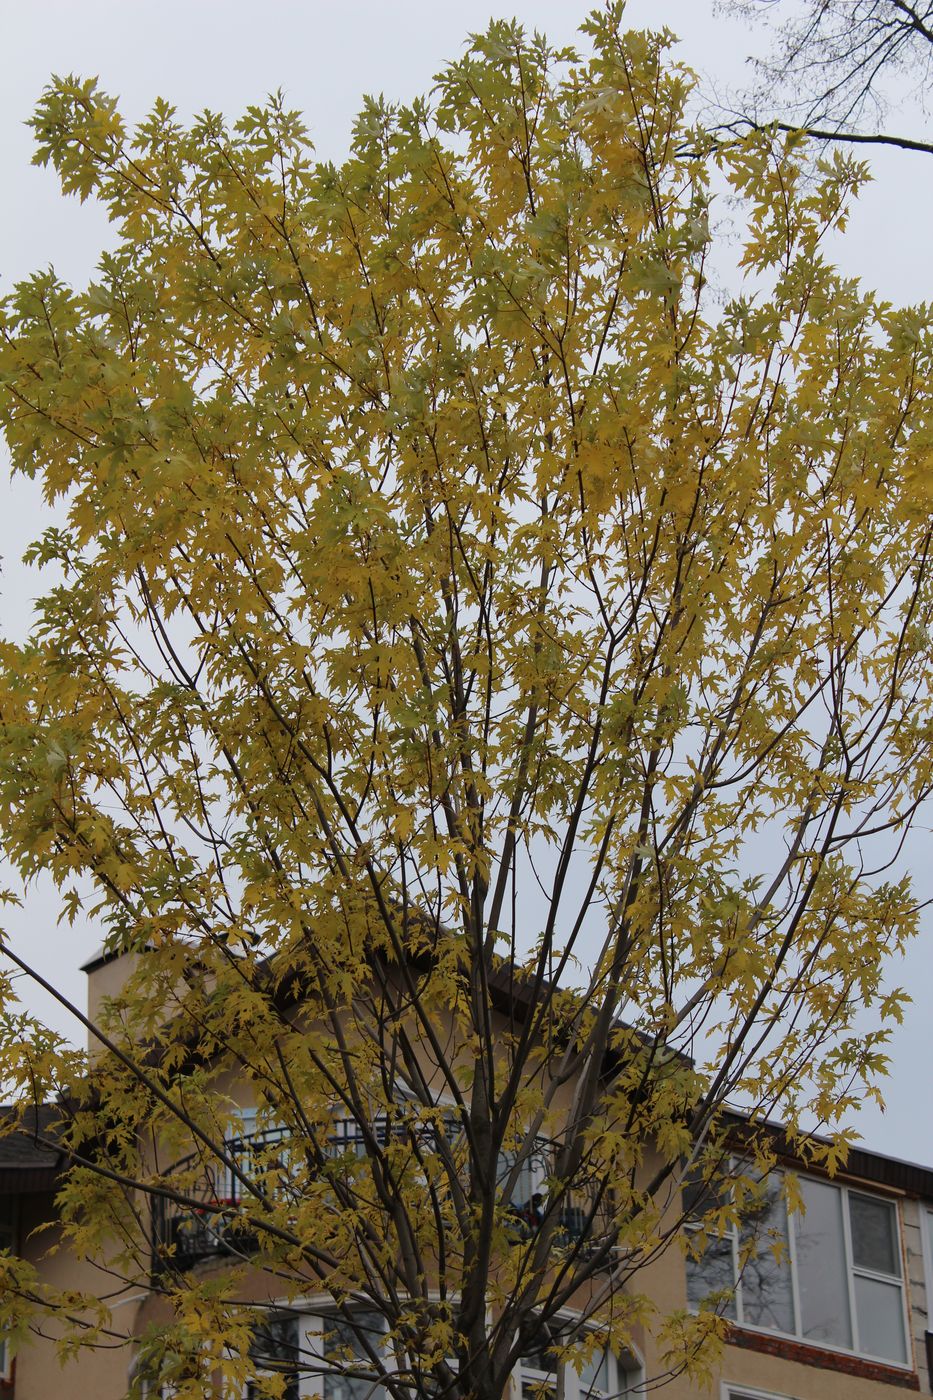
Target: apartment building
[(824, 1303)]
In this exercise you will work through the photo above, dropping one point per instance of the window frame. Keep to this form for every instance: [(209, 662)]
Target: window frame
[(926, 1250), (311, 1320), (619, 1376), (734, 1390), (853, 1271), (311, 1315)]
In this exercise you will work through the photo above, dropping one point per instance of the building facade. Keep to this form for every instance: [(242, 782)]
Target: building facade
[(828, 1302)]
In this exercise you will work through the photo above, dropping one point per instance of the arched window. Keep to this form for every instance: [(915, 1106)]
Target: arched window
[(604, 1376)]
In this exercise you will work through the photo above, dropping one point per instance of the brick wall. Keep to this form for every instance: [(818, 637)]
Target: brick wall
[(807, 1355)]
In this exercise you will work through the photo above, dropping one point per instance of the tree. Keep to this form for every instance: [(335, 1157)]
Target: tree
[(485, 682), (834, 61)]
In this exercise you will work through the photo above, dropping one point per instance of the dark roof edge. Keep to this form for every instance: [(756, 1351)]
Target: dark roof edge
[(909, 1177), (26, 1164), (105, 955), (99, 959)]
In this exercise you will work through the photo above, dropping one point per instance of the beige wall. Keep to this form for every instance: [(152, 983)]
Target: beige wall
[(105, 981), (793, 1379), (95, 1374)]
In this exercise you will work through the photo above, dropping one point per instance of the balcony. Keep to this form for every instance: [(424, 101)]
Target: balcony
[(184, 1235), (584, 1213)]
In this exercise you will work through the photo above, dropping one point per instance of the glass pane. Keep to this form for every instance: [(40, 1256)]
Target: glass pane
[(275, 1339), (874, 1235), (344, 1342), (291, 1391), (347, 1135), (275, 1348), (700, 1198), (539, 1365), (594, 1374), (539, 1387), (711, 1273), (821, 1266), (527, 1193), (880, 1319), (540, 1359), (767, 1289), (244, 1127)]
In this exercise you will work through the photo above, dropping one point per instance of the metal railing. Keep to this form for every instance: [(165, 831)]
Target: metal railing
[(210, 1220)]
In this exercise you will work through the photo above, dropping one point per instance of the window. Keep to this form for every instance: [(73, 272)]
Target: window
[(538, 1374), (276, 1350), (602, 1377), (314, 1354), (225, 1185), (348, 1136), (731, 1393), (346, 1357), (528, 1194), (407, 1117), (147, 1382), (831, 1275), (596, 1378), (345, 1342)]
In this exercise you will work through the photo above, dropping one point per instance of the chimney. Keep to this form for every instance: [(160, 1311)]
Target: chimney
[(106, 974)]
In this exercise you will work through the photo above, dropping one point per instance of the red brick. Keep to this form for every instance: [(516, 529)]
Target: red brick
[(809, 1355)]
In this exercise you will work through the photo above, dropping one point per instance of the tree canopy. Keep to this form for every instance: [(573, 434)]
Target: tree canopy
[(484, 675)]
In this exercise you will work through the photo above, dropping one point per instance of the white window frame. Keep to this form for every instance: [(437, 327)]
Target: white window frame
[(853, 1271), (572, 1389), (311, 1319), (311, 1315), (733, 1390)]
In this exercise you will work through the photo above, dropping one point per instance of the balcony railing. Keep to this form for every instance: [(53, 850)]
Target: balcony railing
[(186, 1234), (211, 1221)]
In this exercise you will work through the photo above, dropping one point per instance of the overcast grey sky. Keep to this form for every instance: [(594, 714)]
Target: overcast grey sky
[(225, 54)]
